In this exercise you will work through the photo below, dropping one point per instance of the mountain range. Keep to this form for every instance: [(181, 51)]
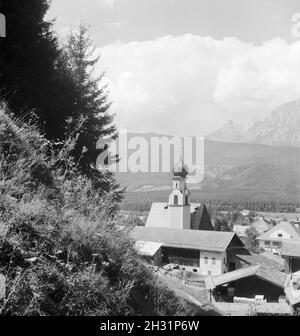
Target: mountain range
[(280, 128)]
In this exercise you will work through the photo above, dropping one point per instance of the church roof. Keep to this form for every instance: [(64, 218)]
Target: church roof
[(159, 216), (190, 239)]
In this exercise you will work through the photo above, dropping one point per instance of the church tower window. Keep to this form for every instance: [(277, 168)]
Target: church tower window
[(175, 200)]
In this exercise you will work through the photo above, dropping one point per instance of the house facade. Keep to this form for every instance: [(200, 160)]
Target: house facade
[(273, 239), (199, 251)]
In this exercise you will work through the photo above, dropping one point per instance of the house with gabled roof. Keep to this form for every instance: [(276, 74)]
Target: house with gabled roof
[(248, 282), (261, 225), (242, 257), (282, 232), (204, 252), (159, 216)]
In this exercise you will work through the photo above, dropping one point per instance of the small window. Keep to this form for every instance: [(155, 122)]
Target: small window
[(276, 244), (176, 200), (267, 243), (279, 235), (195, 270), (206, 260), (213, 261), (224, 261)]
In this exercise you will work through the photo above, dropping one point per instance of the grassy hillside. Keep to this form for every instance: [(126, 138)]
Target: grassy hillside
[(60, 250)]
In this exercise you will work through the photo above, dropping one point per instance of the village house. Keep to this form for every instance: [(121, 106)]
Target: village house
[(272, 239), (255, 275), (258, 285), (248, 283), (204, 252), (260, 224), (241, 257)]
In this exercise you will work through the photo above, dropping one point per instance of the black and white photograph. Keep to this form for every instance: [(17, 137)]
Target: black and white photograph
[(149, 161)]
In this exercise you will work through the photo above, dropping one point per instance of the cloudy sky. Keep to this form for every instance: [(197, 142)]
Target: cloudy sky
[(185, 67)]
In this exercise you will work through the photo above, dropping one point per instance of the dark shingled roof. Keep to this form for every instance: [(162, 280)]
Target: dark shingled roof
[(192, 239), (275, 277), (273, 258), (259, 259)]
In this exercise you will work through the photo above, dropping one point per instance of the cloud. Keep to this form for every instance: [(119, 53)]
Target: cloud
[(107, 3), (267, 75), (116, 24), (191, 85)]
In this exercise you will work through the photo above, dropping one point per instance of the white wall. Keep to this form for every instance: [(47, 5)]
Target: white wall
[(216, 268), (274, 248)]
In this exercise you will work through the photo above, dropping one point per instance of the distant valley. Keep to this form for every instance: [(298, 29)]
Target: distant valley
[(235, 170), (262, 163)]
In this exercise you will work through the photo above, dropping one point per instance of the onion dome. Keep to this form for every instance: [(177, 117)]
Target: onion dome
[(180, 169)]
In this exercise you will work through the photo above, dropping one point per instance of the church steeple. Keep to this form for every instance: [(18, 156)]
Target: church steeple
[(179, 199), (180, 172)]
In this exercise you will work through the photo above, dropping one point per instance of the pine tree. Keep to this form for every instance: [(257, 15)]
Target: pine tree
[(32, 74), (92, 102), (92, 106)]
